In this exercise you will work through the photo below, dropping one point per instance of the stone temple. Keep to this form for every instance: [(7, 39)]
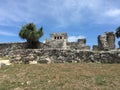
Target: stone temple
[(60, 40)]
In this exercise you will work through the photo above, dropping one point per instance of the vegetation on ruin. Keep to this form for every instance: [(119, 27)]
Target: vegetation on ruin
[(75, 76), (117, 32), (31, 34)]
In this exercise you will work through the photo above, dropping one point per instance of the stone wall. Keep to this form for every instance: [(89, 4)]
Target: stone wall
[(82, 42), (79, 45), (95, 48), (5, 48), (14, 45), (56, 43), (62, 56)]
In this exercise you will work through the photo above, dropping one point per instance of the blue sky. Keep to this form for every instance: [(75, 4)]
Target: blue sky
[(79, 18)]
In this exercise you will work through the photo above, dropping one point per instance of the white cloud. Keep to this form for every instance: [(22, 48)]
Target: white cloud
[(75, 38), (7, 33), (113, 13), (61, 12)]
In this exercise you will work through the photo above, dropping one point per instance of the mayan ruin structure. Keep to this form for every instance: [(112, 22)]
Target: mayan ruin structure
[(60, 40), (105, 41), (57, 49)]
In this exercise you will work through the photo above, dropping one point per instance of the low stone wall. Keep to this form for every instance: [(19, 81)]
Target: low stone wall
[(5, 48), (61, 56)]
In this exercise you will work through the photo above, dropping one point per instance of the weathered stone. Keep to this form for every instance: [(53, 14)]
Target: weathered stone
[(32, 62), (82, 42), (62, 56), (106, 41), (95, 48), (118, 55), (43, 61), (18, 57), (5, 48), (60, 40)]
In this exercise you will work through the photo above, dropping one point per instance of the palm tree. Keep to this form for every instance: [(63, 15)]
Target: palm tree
[(31, 34), (117, 33)]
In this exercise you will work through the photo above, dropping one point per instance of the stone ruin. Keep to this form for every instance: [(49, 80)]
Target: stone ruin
[(60, 40), (57, 49), (105, 41), (63, 56), (57, 40)]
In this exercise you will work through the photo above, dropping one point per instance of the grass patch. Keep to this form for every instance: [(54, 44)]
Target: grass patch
[(4, 58), (100, 80), (61, 77)]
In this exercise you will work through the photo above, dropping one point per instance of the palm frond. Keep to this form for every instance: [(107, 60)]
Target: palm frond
[(30, 33)]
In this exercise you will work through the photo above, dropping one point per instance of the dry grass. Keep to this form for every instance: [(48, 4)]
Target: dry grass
[(80, 76), (4, 58)]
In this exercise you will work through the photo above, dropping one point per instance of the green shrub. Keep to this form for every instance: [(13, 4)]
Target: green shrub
[(99, 80)]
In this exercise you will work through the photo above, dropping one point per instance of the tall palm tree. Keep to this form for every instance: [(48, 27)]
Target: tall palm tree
[(31, 34), (117, 33)]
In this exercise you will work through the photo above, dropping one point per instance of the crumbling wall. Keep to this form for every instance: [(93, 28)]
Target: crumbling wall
[(56, 43), (95, 48), (63, 56), (111, 40), (106, 41), (82, 42), (80, 45), (5, 48)]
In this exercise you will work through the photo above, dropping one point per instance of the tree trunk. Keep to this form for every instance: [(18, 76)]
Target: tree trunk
[(32, 44)]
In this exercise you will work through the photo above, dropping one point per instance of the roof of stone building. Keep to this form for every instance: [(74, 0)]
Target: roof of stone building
[(59, 33)]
